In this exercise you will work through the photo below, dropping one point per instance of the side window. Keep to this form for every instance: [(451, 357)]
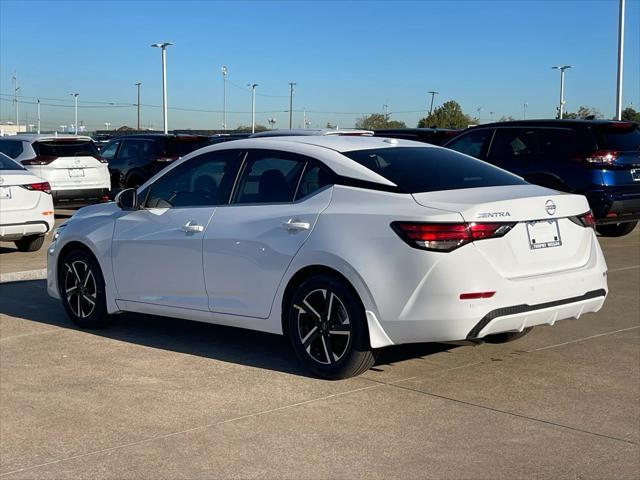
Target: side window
[(130, 149), (513, 147), (558, 144), (11, 148), (313, 179), (474, 143), (269, 177), (205, 180), (109, 152)]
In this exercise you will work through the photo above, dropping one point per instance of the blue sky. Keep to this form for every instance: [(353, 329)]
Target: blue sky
[(348, 58)]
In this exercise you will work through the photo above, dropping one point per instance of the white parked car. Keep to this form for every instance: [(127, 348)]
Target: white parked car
[(71, 164), (26, 208), (344, 244)]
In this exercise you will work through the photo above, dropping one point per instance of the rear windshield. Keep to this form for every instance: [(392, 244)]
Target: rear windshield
[(181, 146), (7, 164), (618, 136), (427, 169), (65, 148), (11, 148)]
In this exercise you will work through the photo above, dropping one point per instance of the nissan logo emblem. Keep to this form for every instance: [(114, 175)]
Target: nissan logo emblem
[(550, 207)]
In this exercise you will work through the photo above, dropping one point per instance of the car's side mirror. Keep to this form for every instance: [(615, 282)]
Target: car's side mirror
[(127, 199)]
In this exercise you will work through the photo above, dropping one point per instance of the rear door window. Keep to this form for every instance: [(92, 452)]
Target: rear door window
[(474, 143), (65, 148), (427, 169), (11, 148), (269, 177), (557, 144), (179, 147), (624, 137), (109, 151), (513, 147)]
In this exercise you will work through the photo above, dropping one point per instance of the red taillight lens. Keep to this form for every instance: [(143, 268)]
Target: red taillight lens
[(38, 161), (602, 157), (476, 295), (40, 187), (586, 220), (445, 237)]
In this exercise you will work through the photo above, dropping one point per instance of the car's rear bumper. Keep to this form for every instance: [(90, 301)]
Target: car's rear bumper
[(615, 204), (79, 195), (15, 231)]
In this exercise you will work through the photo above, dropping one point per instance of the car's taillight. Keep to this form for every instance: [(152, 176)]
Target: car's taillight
[(102, 160), (39, 160), (586, 220), (40, 187), (602, 157), (445, 237)]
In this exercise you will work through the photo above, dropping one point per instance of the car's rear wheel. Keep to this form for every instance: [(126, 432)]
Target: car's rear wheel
[(32, 243), (82, 290), (616, 229), (328, 330), (506, 337)]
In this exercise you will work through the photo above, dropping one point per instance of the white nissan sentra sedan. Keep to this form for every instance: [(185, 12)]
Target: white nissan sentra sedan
[(344, 244)]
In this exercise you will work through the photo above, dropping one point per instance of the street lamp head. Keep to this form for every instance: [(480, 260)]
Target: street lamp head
[(224, 70), (74, 94), (562, 67), (138, 84), (162, 45)]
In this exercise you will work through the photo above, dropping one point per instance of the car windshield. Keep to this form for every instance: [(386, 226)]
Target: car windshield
[(181, 146), (427, 169), (619, 136), (11, 148), (7, 164), (65, 148)]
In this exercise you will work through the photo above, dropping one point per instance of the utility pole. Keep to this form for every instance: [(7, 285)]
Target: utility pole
[(620, 60), (386, 111), (224, 97), (253, 106), (291, 85), (562, 68), (433, 94), (16, 89), (304, 117), (164, 46), (75, 99), (479, 109), (38, 116), (138, 104)]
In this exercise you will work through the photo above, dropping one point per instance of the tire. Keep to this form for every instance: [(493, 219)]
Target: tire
[(86, 305), (32, 243), (506, 337), (616, 229), (328, 330)]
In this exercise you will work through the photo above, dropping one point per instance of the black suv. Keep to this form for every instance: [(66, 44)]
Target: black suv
[(596, 158), (435, 136), (133, 159)]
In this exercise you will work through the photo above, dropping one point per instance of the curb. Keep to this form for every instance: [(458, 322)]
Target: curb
[(24, 275)]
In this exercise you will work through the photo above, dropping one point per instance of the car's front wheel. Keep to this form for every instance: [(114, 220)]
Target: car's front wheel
[(328, 330), (31, 243), (616, 229), (82, 290)]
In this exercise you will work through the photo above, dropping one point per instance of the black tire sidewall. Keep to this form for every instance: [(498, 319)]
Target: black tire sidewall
[(359, 343), (616, 229), (99, 317), (32, 243)]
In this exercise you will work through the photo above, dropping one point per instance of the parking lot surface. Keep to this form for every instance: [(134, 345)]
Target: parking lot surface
[(157, 397)]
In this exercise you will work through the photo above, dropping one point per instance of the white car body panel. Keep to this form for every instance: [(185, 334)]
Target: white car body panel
[(409, 294), (23, 212)]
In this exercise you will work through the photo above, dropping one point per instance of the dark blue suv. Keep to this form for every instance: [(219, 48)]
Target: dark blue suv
[(596, 158)]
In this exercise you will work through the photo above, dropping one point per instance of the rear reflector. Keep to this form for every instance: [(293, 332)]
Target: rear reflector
[(39, 187), (475, 295), (445, 237)]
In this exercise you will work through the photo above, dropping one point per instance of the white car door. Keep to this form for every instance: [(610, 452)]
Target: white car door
[(157, 250), (250, 243)]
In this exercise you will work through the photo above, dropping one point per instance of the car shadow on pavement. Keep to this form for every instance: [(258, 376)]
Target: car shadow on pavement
[(29, 300), (7, 249)]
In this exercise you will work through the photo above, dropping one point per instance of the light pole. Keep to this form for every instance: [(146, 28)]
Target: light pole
[(75, 100), (253, 106), (433, 94), (224, 97), (524, 110), (107, 125), (291, 85), (479, 110), (38, 116), (620, 60), (386, 111), (163, 46), (138, 104), (562, 68), (16, 89)]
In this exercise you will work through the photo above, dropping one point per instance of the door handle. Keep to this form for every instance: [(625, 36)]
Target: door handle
[(192, 227), (293, 224)]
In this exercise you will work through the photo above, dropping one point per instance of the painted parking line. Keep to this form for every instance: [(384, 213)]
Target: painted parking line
[(40, 274), (632, 267)]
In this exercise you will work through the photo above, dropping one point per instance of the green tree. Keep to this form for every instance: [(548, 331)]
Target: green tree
[(376, 121), (247, 128), (630, 115), (582, 113), (507, 118), (447, 115)]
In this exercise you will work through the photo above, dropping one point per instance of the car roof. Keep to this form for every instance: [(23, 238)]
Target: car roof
[(34, 137), (311, 132), (160, 135), (338, 143), (551, 122), (414, 130)]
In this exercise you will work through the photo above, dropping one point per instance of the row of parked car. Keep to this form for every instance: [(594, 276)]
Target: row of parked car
[(596, 158)]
